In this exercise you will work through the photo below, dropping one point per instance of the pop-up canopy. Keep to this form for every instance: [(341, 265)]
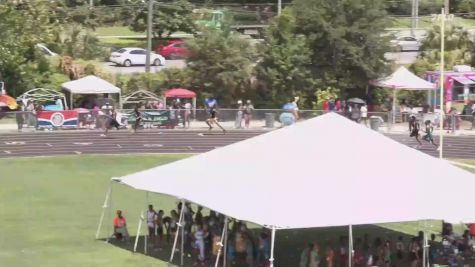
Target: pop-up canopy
[(90, 85), (180, 93), (403, 79)]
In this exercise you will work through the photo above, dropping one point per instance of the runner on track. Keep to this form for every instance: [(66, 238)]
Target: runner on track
[(213, 119), (415, 127), (428, 136)]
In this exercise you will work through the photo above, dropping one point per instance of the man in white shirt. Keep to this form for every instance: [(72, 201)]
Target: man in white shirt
[(364, 114), (151, 223)]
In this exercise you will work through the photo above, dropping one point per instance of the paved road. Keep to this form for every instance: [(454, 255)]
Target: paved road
[(113, 68), (168, 141), (402, 58)]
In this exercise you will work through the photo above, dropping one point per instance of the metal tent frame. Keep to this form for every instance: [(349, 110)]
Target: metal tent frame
[(139, 96), (43, 94)]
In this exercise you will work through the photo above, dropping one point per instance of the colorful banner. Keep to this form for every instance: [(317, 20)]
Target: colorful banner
[(58, 119)]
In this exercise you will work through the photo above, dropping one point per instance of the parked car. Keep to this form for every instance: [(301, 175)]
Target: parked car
[(45, 50), (406, 43), (174, 50), (135, 56)]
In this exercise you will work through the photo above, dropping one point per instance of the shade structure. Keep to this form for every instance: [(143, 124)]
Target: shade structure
[(326, 171), (179, 93), (90, 85), (403, 79)]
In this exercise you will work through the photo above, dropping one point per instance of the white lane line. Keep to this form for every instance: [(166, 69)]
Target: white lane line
[(190, 148), (49, 144), (82, 144), (7, 152), (152, 145), (15, 143), (78, 152), (119, 146), (200, 134)]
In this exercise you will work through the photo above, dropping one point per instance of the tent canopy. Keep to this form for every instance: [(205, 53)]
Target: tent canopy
[(326, 171), (139, 96), (179, 93), (90, 85), (403, 79)]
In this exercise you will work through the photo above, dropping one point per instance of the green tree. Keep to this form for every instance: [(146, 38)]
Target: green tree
[(221, 65), (168, 18), (345, 39), (284, 70), (21, 28)]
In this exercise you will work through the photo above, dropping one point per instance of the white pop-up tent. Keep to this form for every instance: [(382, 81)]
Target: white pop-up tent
[(90, 85), (311, 162), (403, 79)]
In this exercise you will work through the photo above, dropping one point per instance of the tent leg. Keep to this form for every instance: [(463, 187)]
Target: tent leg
[(180, 222), (194, 108), (225, 227), (109, 215), (146, 220), (350, 246), (104, 207), (138, 232), (271, 260), (225, 256), (425, 259), (182, 240), (394, 106)]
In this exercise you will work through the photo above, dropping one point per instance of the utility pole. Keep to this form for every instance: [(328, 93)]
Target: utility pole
[(413, 17), (149, 35), (279, 7), (416, 11), (446, 7), (91, 3)]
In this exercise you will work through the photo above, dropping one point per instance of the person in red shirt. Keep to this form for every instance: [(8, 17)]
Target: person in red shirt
[(120, 227)]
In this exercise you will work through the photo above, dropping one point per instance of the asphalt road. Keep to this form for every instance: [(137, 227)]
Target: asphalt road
[(403, 58), (169, 141), (113, 68)]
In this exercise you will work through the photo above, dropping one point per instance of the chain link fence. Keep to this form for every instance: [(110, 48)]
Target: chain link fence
[(234, 119)]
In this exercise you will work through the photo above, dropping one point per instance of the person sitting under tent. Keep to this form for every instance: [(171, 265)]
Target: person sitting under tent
[(120, 227)]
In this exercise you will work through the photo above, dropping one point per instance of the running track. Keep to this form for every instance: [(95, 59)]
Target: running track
[(168, 141)]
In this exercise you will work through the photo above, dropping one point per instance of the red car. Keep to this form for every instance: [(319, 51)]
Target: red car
[(174, 50)]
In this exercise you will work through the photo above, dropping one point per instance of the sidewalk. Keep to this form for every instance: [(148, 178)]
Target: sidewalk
[(259, 125)]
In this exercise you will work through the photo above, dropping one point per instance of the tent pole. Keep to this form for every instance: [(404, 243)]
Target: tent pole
[(225, 256), (104, 207), (350, 245), (109, 216), (194, 108), (182, 245), (138, 231), (394, 106), (146, 222), (176, 235), (425, 260), (271, 260), (221, 241), (71, 99)]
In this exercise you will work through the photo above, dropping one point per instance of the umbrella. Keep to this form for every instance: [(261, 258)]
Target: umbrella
[(8, 101), (356, 101), (289, 106)]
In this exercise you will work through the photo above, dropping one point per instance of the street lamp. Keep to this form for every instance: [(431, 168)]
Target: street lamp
[(442, 18)]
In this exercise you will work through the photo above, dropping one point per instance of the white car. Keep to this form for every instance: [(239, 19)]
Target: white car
[(45, 50), (406, 43), (135, 56)]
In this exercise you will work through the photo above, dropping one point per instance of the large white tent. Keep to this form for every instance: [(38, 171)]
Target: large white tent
[(90, 85), (274, 179), (403, 79)]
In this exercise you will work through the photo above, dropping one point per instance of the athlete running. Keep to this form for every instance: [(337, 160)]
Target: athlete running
[(213, 119), (415, 127), (138, 118), (428, 136)]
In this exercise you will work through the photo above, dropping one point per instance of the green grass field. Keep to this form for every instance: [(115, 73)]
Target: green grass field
[(426, 22), (50, 207)]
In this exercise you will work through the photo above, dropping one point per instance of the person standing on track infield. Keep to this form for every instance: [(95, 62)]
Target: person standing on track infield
[(213, 119), (414, 128)]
